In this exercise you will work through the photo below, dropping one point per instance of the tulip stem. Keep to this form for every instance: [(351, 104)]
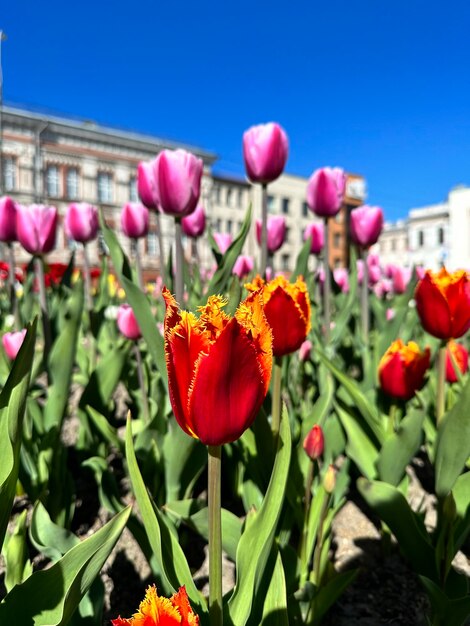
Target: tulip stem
[(215, 535), (365, 298), (143, 389), (87, 278), (179, 286), (264, 229), (138, 264), (161, 249), (276, 398), (327, 285), (11, 281), (441, 382), (46, 326)]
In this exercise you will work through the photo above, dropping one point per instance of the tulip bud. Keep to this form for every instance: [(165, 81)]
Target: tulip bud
[(12, 343), (325, 191), (177, 175), (276, 232), (243, 266), (366, 225), (127, 322), (329, 480), (315, 230), (8, 208), (341, 276), (265, 151), (193, 225), (223, 241), (455, 352), (400, 278), (314, 443), (305, 350), (81, 222), (36, 227), (134, 220)]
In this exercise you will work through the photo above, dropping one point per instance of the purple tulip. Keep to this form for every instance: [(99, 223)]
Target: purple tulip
[(341, 276), (146, 185), (400, 279), (276, 232), (134, 220), (265, 151), (223, 241), (12, 343), (366, 225), (193, 225), (325, 191), (178, 176), (81, 222), (243, 266), (316, 231), (127, 322), (8, 208), (36, 227)]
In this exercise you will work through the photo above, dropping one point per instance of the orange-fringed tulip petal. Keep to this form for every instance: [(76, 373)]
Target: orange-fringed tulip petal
[(157, 611), (443, 303), (402, 369), (287, 309), (218, 367), (457, 355)]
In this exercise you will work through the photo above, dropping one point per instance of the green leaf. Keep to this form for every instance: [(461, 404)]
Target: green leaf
[(453, 443), (49, 538), (400, 448), (15, 553), (256, 542), (184, 459), (275, 603), (301, 266), (461, 494), (50, 597), (359, 447), (452, 612), (12, 406)]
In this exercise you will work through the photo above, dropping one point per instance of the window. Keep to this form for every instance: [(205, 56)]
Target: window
[(304, 209), (229, 197), (105, 187), (285, 262), (216, 194), (420, 239), (133, 195), (270, 202), (217, 225), (240, 198), (152, 244), (229, 226), (52, 181), (71, 183), (440, 235), (287, 234), (337, 240), (9, 173), (394, 245), (285, 206)]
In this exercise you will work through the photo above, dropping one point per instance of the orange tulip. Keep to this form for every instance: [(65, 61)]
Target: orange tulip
[(219, 367), (460, 356), (402, 369), (157, 611), (443, 303), (287, 309)]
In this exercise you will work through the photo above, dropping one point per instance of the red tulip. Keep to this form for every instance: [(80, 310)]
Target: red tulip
[(193, 225), (155, 610), (219, 367), (325, 191), (8, 208), (276, 232), (315, 230), (366, 225), (460, 356), (127, 322), (443, 303), (81, 222), (402, 369), (178, 175), (36, 227), (314, 442), (134, 220), (12, 343), (265, 151)]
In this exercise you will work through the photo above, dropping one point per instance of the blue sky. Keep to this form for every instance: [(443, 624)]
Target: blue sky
[(379, 88)]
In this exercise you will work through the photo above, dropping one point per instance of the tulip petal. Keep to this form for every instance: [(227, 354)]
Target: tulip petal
[(433, 309), (287, 320)]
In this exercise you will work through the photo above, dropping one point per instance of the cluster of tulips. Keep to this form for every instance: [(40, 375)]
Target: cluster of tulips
[(283, 388)]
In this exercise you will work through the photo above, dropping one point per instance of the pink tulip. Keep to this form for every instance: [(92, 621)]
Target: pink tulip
[(127, 322), (276, 232), (375, 274), (36, 227), (366, 225), (315, 230), (8, 208), (389, 314), (360, 271), (265, 151), (420, 272), (325, 191), (194, 224), (305, 350), (134, 220), (146, 185), (12, 343), (81, 222), (243, 266), (383, 287), (178, 176), (223, 241), (373, 259), (400, 279), (341, 276)]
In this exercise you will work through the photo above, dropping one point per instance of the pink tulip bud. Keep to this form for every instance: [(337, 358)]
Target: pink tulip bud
[(420, 272), (325, 191), (193, 225), (389, 314), (127, 322), (366, 225), (265, 151), (12, 343), (243, 266), (389, 269), (276, 232), (460, 356), (134, 220), (315, 230), (305, 350), (383, 287), (81, 222), (223, 241), (146, 185), (373, 259), (375, 274), (8, 208), (341, 276), (314, 442), (178, 175), (36, 227), (401, 277)]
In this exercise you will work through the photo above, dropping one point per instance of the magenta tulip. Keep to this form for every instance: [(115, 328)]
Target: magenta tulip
[(276, 232), (341, 276), (400, 279), (178, 176), (375, 274), (265, 151), (12, 343), (193, 225), (366, 225), (127, 322), (146, 185), (134, 220), (223, 241), (325, 191), (36, 227), (373, 259), (316, 231), (8, 209), (243, 266), (81, 222)]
